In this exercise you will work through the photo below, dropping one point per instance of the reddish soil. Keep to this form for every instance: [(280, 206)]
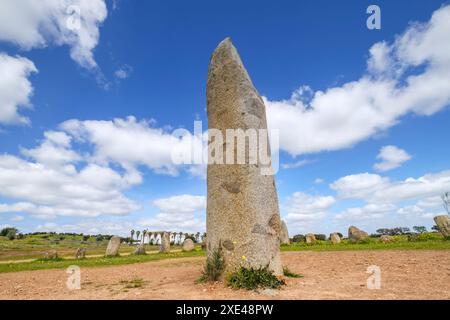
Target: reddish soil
[(327, 275)]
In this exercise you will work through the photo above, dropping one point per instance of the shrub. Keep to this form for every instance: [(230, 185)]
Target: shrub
[(11, 235), (424, 237), (288, 273), (251, 279), (298, 238), (214, 267), (5, 231), (321, 237)]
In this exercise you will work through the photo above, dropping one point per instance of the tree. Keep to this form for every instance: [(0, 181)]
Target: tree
[(4, 232), (446, 200), (132, 235), (11, 235), (420, 229), (137, 235)]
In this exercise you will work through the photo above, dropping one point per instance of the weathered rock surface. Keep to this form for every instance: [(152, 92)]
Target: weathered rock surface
[(386, 239), (188, 245), (113, 247), (140, 249), (242, 207), (165, 243), (443, 223), (80, 253), (334, 238), (310, 238), (355, 234), (284, 236), (51, 255)]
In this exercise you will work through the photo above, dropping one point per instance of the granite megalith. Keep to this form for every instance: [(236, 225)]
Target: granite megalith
[(243, 219)]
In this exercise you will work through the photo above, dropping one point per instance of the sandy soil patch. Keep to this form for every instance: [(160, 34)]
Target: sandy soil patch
[(327, 275)]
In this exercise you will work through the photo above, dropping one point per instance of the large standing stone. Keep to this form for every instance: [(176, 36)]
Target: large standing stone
[(310, 238), (113, 247), (443, 223), (284, 235), (355, 234), (165, 243), (51, 255), (80, 253), (188, 245), (335, 238), (242, 208)]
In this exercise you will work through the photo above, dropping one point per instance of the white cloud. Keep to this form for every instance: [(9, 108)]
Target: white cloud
[(123, 72), (305, 210), (369, 211), (376, 189), (51, 185), (89, 226), (178, 213), (297, 164), (15, 88), (131, 143), (17, 218), (36, 24), (394, 86), (181, 204), (391, 157)]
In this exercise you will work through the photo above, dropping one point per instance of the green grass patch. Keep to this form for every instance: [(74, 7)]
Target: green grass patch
[(431, 241), (94, 262), (252, 279), (288, 273)]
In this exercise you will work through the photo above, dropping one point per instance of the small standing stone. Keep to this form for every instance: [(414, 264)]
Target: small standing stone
[(51, 255), (284, 236), (80, 253), (113, 247), (386, 239), (355, 234), (443, 223), (165, 243), (140, 249), (335, 238), (310, 238), (188, 245)]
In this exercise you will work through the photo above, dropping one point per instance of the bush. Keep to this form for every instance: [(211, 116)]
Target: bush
[(11, 235), (321, 237), (214, 267), (252, 279), (424, 237), (298, 238), (5, 231)]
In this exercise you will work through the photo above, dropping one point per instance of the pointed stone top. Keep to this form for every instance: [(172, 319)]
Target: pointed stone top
[(225, 53)]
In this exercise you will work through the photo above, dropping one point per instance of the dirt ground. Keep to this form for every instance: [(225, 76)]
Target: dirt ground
[(327, 275)]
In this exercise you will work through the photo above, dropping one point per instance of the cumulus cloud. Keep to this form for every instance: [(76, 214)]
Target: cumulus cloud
[(182, 212), (37, 24), (376, 189), (391, 157), (407, 76), (53, 184), (181, 204), (132, 143), (15, 88), (304, 210), (89, 226), (388, 202)]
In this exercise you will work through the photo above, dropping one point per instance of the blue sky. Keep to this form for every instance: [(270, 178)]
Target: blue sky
[(90, 153)]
